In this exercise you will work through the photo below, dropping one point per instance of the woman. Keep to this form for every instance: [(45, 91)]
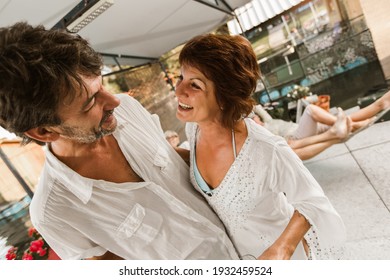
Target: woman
[(270, 204)]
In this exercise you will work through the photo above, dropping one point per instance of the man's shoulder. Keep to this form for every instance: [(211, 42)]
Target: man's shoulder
[(129, 105), (125, 99), (39, 201)]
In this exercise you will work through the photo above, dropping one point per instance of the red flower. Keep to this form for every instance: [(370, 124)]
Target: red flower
[(33, 248), (12, 249), (11, 255), (27, 256), (42, 252), (36, 245), (31, 231)]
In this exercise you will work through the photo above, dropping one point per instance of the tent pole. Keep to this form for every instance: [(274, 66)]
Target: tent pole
[(15, 172)]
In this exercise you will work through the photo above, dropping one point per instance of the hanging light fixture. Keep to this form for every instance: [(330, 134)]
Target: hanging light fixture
[(83, 14)]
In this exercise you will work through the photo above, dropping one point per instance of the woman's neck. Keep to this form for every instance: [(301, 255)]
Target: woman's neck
[(214, 133)]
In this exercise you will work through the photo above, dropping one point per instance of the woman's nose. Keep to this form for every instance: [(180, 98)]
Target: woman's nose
[(179, 89)]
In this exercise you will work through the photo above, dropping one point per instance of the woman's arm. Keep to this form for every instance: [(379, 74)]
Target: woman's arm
[(284, 247), (314, 212)]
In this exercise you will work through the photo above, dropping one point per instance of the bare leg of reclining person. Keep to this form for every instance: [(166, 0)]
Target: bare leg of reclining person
[(318, 129), (371, 110), (307, 140), (360, 118), (311, 146), (316, 120), (310, 151)]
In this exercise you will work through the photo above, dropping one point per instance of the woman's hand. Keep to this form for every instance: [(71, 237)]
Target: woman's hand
[(276, 252), (284, 247)]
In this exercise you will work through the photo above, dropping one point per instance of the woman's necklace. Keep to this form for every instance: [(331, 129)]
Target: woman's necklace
[(234, 144)]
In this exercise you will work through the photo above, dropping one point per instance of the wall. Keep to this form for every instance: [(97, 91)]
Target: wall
[(28, 161), (353, 8), (378, 21)]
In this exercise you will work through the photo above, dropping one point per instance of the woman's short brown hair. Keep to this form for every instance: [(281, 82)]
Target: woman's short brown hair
[(230, 62)]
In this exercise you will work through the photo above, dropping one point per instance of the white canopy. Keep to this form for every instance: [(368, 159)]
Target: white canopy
[(136, 31), (257, 12)]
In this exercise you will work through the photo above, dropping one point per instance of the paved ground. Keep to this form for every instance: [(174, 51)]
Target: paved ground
[(356, 178)]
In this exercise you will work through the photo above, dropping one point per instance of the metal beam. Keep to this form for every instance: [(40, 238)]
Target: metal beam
[(128, 56), (226, 10), (16, 173)]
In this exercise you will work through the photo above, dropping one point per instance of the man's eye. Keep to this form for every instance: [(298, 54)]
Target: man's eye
[(90, 104)]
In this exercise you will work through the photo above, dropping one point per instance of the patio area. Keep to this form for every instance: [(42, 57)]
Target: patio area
[(355, 177)]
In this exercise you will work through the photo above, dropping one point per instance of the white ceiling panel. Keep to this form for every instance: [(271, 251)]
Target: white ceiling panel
[(141, 28)]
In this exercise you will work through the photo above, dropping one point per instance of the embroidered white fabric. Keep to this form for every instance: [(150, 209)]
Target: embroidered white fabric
[(260, 192)]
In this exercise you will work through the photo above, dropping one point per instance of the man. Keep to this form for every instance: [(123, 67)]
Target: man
[(111, 187)]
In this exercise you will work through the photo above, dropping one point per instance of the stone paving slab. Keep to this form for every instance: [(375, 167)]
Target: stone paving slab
[(375, 134), (356, 180), (375, 163), (368, 249)]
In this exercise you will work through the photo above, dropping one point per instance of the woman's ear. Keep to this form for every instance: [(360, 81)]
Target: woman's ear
[(42, 134)]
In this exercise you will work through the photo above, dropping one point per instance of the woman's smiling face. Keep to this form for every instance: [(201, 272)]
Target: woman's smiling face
[(196, 97)]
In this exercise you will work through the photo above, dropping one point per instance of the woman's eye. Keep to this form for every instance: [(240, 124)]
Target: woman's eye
[(194, 85), (179, 79)]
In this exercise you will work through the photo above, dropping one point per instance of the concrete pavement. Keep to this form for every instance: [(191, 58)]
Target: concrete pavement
[(355, 176)]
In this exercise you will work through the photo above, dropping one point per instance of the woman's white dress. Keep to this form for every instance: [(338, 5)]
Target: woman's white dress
[(260, 192)]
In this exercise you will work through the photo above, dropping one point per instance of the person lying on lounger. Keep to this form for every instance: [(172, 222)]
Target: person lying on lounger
[(318, 129)]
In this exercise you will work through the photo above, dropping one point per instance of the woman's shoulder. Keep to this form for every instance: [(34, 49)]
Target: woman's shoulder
[(191, 128), (263, 136), (257, 131), (281, 127)]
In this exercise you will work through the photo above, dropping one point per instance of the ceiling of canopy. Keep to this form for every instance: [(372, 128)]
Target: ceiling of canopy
[(131, 32)]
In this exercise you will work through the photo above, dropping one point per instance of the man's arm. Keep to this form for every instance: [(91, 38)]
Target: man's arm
[(106, 256), (185, 154)]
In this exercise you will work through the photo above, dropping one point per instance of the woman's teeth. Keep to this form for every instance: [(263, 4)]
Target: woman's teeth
[(185, 106)]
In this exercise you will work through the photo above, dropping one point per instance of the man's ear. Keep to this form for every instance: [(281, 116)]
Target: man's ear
[(42, 134)]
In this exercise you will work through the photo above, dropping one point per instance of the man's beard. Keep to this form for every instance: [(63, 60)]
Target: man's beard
[(80, 135)]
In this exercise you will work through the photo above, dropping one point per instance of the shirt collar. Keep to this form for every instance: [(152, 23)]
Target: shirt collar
[(80, 186)]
